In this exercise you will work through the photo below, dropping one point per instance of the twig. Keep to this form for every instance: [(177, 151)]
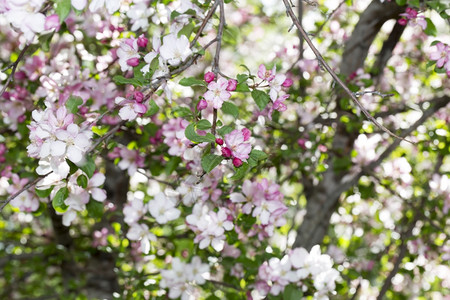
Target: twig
[(334, 75), (23, 189), (104, 137), (225, 284), (358, 94), (205, 21), (329, 16), (14, 67)]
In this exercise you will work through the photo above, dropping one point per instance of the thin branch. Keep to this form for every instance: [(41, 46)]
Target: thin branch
[(358, 94), (225, 284), (23, 189), (329, 16), (205, 21), (334, 75), (107, 135), (14, 67)]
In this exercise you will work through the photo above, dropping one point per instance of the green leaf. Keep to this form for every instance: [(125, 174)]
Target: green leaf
[(72, 104), (58, 200), (401, 2), (241, 171), (100, 130), (203, 125), (133, 81), (182, 112), (210, 161), (190, 81), (63, 8), (88, 167), (258, 155), (82, 181), (95, 209), (172, 164), (225, 129), (44, 41), (242, 78), (43, 193), (193, 136), (431, 29), (230, 109), (154, 108), (292, 292), (261, 99), (242, 87)]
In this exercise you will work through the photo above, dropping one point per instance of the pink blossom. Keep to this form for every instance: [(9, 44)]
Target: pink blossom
[(265, 74), (202, 104), (52, 22), (128, 49), (131, 109), (441, 55), (217, 92), (232, 84), (131, 160), (235, 141)]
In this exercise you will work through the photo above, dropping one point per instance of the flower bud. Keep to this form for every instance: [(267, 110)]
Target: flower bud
[(219, 141), (142, 41), (287, 83), (138, 96), (133, 62), (202, 104), (226, 152), (237, 162), (302, 143), (209, 76), (403, 22), (232, 84), (247, 133)]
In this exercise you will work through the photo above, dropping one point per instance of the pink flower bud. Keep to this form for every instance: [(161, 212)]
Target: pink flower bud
[(302, 143), (133, 62), (20, 75), (226, 152), (403, 22), (247, 134), (209, 76), (237, 162), (21, 118), (138, 96), (142, 41), (287, 83), (219, 141), (232, 84), (202, 104), (52, 22), (83, 110)]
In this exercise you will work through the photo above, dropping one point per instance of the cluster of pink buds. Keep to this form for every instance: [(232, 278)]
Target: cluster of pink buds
[(411, 16), (236, 146), (2, 153)]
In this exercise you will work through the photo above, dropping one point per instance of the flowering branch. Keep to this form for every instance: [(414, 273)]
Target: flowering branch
[(333, 74), (205, 21)]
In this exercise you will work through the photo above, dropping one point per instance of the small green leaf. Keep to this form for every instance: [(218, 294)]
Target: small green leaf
[(210, 161), (133, 81), (258, 154), (261, 99), (241, 171), (63, 8), (225, 129), (292, 292), (72, 104), (95, 209), (431, 29), (193, 136), (172, 164), (82, 181), (154, 108), (58, 200), (203, 124), (100, 130), (88, 167), (182, 112), (190, 81), (242, 87), (230, 109), (242, 78), (43, 193)]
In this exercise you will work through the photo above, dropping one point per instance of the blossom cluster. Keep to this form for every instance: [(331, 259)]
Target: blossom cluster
[(300, 268), (276, 81), (442, 57), (183, 279), (236, 146), (54, 138), (264, 201), (131, 108), (411, 17), (218, 91)]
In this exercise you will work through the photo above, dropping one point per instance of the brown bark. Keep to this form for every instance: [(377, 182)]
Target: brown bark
[(324, 198)]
